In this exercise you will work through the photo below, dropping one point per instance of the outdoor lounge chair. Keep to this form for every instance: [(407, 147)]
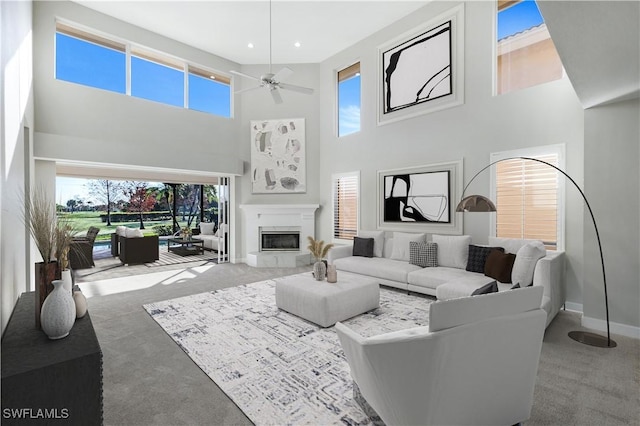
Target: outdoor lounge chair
[(81, 250), (139, 249)]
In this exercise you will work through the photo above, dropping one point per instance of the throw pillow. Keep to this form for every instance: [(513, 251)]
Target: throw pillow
[(401, 244), (378, 240), (423, 254), (206, 228), (363, 247), (499, 265), (492, 287), (134, 233), (121, 231), (478, 257), (453, 250), (526, 260)]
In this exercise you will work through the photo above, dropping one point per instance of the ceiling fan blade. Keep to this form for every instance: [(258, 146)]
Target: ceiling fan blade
[(275, 94), (241, 74), (247, 90), (282, 75), (295, 88)]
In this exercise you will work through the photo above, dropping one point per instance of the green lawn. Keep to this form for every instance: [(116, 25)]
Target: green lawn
[(83, 220)]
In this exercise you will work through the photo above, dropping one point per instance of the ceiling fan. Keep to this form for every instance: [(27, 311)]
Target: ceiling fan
[(273, 82)]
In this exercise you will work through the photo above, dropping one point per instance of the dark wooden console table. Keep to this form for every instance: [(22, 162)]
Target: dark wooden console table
[(50, 381)]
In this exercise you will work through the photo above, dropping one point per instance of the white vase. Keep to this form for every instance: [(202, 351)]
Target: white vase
[(67, 280), (58, 312), (81, 303), (319, 270)]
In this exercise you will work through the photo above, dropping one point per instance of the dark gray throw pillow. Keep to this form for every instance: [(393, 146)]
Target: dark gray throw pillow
[(492, 287), (478, 257), (363, 247)]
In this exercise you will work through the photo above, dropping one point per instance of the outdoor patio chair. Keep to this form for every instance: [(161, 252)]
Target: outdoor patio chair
[(81, 250), (139, 250)]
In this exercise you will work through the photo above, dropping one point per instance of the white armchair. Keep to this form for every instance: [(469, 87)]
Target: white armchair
[(476, 363)]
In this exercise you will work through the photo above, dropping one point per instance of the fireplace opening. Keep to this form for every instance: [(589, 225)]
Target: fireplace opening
[(279, 241)]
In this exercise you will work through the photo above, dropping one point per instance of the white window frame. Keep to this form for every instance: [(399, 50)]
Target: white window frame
[(334, 178), (559, 150)]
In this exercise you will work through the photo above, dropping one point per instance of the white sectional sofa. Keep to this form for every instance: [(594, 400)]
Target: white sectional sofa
[(450, 279)]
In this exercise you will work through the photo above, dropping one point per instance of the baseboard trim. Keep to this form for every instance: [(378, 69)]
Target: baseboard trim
[(614, 327), (573, 306)]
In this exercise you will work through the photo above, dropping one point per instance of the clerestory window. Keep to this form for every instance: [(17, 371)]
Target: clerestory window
[(99, 61), (349, 100), (525, 53)]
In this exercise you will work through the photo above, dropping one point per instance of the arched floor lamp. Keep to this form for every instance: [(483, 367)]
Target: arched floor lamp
[(479, 203)]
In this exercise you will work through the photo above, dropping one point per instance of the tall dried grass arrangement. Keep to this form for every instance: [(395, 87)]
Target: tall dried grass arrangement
[(65, 231), (40, 216), (317, 248)]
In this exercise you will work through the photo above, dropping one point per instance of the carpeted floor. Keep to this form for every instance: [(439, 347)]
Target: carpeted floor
[(277, 367), (148, 379)]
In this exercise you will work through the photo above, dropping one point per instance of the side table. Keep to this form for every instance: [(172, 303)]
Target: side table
[(50, 381)]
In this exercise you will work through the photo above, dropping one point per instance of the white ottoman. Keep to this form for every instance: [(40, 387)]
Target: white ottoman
[(325, 303)]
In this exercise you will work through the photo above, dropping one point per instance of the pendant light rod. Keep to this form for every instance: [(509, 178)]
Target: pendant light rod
[(270, 72)]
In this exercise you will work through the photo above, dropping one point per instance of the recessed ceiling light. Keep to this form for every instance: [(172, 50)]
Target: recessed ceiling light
[(250, 45), (212, 77), (296, 44)]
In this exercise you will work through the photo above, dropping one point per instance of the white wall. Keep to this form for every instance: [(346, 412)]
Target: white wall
[(16, 130), (612, 182), (258, 105), (542, 115), (83, 124)]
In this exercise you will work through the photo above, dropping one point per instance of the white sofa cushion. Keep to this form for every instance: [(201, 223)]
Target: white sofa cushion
[(510, 245), (133, 233), (401, 244), (121, 231), (525, 263), (463, 286), (453, 250), (445, 314), (378, 240), (388, 269), (433, 277), (206, 228)]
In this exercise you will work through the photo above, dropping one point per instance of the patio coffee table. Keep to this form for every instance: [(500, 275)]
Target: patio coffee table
[(185, 247), (325, 303)]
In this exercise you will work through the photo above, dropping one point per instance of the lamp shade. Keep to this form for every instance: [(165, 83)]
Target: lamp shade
[(476, 203)]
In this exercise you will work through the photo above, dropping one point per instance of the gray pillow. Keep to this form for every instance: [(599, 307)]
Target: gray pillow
[(492, 287), (363, 247), (423, 254)]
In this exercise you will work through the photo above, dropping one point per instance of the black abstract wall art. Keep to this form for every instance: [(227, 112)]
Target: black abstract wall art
[(417, 197), (422, 71), (418, 70)]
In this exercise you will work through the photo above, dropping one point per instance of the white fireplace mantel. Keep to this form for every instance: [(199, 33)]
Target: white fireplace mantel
[(276, 215)]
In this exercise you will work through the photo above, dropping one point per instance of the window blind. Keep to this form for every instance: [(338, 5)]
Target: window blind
[(527, 200), (345, 207)]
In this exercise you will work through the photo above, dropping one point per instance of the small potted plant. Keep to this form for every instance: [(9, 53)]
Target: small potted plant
[(319, 250)]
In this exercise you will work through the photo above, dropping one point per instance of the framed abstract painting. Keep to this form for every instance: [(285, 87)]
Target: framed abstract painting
[(421, 199), (422, 71), (278, 163)]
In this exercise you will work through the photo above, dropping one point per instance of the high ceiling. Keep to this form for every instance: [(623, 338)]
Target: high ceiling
[(225, 28)]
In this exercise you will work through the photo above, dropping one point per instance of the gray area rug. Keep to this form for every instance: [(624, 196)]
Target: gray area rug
[(278, 368)]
